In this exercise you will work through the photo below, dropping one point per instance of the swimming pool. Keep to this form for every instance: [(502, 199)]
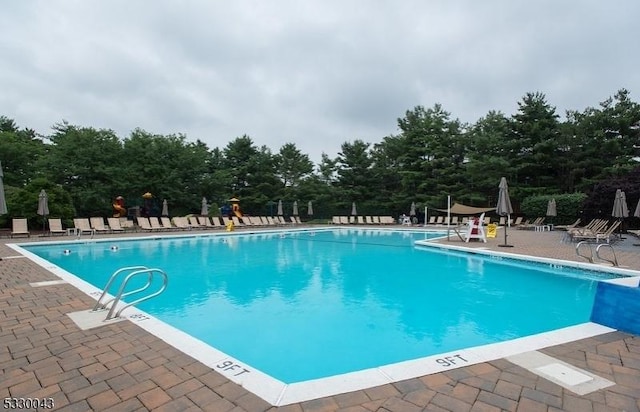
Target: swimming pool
[(308, 305)]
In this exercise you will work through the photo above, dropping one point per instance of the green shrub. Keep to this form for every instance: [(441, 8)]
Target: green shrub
[(568, 207)]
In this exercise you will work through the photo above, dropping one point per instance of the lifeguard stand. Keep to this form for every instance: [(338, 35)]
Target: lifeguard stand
[(476, 229)]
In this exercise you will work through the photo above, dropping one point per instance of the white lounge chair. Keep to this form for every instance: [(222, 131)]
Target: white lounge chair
[(114, 224), (166, 223), (97, 224), (55, 226), (155, 223), (144, 224), (19, 227), (82, 226)]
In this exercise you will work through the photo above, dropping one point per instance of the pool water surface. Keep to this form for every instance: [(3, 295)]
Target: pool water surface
[(312, 304)]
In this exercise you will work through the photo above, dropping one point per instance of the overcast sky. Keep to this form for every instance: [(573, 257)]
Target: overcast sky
[(315, 73)]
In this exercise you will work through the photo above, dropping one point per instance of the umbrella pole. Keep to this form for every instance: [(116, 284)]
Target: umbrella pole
[(505, 237)]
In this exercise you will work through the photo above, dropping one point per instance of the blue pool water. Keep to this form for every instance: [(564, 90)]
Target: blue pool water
[(306, 305)]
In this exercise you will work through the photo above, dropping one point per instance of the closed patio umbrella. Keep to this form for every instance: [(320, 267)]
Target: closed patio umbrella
[(3, 201), (43, 207), (204, 210), (280, 211), (504, 205), (412, 212), (551, 208), (635, 214), (165, 208), (620, 208), (354, 210), (295, 208), (310, 208)]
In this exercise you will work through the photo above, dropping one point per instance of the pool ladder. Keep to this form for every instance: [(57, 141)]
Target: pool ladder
[(133, 271), (590, 257)]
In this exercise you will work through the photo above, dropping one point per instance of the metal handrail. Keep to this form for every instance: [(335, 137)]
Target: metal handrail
[(614, 262), (589, 258), (150, 273), (100, 306)]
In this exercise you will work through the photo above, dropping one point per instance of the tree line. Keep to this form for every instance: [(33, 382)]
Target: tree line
[(433, 156)]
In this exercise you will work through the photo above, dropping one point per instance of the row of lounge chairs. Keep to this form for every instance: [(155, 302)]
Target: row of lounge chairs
[(362, 220), (97, 225), (598, 230), (203, 222)]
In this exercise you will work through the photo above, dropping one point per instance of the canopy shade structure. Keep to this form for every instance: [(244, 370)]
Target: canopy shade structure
[(460, 209)]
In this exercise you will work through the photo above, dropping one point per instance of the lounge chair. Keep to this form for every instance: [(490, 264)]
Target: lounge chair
[(344, 220), (432, 220), (114, 224), (591, 228), (55, 226), (568, 227), (537, 222), (439, 220), (155, 223), (19, 227), (145, 224), (369, 220), (215, 221), (193, 222), (605, 234), (83, 226), (97, 224), (166, 223), (181, 223), (518, 221), (205, 222), (387, 220), (236, 221), (298, 221)]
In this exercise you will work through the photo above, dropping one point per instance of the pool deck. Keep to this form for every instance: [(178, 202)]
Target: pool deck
[(121, 367)]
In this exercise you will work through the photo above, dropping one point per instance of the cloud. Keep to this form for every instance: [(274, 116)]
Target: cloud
[(313, 73)]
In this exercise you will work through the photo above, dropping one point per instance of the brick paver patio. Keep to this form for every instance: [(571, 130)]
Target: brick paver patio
[(121, 367)]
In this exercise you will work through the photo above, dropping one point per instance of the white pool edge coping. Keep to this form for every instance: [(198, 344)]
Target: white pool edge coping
[(278, 393)]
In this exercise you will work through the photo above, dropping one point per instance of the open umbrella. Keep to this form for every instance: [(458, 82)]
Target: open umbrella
[(165, 208), (3, 201), (310, 208), (280, 211), (354, 211), (43, 207), (204, 210), (295, 208), (504, 205)]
